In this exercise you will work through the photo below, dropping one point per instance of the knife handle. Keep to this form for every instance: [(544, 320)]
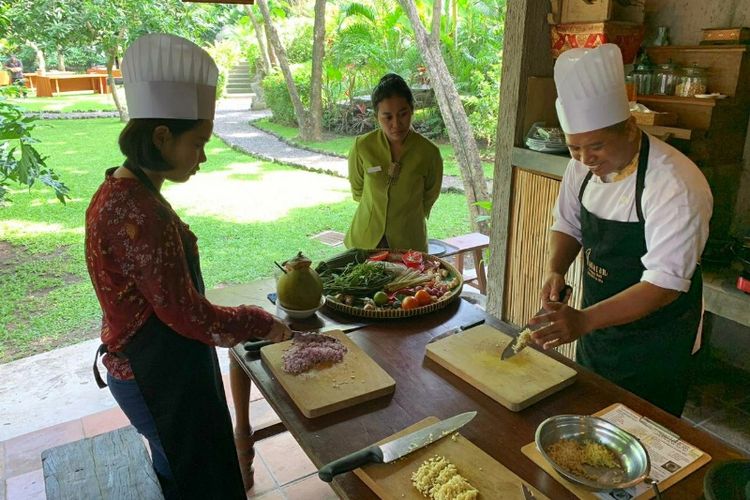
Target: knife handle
[(254, 346), (350, 462)]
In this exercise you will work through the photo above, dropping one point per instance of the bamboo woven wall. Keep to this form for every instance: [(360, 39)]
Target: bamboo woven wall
[(533, 199)]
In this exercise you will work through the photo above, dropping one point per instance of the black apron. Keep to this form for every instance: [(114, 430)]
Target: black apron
[(650, 357), (180, 380)]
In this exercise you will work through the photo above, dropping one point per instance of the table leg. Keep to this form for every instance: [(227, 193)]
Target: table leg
[(481, 274), (460, 263), (243, 432)]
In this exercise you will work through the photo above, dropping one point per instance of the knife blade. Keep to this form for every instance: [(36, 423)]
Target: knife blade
[(527, 494), (509, 350), (395, 448), (455, 330)]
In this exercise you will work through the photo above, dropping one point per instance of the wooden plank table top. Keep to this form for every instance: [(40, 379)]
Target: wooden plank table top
[(423, 389)]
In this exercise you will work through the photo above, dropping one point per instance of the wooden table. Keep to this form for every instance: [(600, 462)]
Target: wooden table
[(423, 389), (51, 83)]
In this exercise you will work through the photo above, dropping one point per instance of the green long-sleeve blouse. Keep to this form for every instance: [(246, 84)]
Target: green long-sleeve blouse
[(396, 208)]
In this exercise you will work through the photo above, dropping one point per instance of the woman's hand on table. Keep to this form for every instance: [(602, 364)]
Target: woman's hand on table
[(280, 331)]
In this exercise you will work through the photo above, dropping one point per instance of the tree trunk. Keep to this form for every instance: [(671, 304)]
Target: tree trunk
[(265, 59), (316, 79), (271, 51), (454, 15), (299, 109), (437, 8), (60, 59), (111, 82), (454, 116), (41, 64)]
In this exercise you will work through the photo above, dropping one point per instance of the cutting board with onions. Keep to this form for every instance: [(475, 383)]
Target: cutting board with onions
[(516, 383), (491, 478), (325, 389)]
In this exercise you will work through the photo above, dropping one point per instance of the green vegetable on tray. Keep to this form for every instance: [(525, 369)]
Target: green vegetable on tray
[(356, 279)]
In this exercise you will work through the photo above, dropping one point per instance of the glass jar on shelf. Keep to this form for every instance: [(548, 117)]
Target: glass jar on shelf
[(630, 87), (692, 80), (643, 77), (665, 79)]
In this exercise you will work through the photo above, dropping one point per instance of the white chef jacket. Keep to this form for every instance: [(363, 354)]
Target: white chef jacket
[(677, 205)]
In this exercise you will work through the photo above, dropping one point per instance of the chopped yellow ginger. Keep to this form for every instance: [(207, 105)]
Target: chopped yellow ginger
[(522, 340), (438, 479)]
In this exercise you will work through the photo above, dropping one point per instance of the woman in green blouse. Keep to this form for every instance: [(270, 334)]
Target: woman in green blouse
[(395, 174)]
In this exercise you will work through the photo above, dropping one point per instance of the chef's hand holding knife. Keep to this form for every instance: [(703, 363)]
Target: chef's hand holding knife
[(562, 323), (280, 331)]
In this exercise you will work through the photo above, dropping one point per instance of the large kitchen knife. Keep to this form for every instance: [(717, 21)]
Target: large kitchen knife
[(396, 448), (456, 330), (510, 349)]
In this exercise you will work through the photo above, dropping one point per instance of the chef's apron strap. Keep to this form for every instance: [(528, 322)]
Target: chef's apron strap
[(640, 179), (101, 351), (583, 185)]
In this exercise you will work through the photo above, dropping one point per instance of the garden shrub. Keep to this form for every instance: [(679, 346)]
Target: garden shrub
[(253, 58), (301, 47), (226, 54), (277, 95), (429, 123), (349, 119), (482, 107)]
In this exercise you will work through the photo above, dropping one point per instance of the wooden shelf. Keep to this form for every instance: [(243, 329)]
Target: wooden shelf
[(697, 48), (541, 163), (721, 297), (692, 101), (672, 132)]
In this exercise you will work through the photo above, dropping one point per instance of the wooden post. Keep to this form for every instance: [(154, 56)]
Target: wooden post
[(526, 53)]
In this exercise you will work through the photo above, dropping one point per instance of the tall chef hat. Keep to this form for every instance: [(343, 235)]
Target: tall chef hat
[(591, 89), (166, 76)]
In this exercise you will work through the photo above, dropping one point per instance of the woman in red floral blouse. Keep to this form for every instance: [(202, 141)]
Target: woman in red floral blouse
[(158, 329)]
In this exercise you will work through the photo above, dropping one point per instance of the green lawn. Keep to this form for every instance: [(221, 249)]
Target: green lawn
[(68, 103), (341, 144), (267, 212)]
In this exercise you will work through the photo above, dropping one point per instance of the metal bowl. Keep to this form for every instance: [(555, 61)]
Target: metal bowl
[(632, 454)]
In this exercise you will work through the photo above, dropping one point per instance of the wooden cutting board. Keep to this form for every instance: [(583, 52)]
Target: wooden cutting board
[(332, 387), (490, 477), (518, 382)]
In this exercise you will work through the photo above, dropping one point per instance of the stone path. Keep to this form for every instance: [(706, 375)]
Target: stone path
[(231, 125)]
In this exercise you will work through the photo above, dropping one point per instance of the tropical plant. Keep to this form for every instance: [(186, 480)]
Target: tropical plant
[(226, 54), (301, 46), (277, 97), (20, 162)]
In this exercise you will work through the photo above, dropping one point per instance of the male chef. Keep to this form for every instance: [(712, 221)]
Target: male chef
[(639, 210)]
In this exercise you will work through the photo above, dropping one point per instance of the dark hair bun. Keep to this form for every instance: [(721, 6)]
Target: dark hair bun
[(391, 85)]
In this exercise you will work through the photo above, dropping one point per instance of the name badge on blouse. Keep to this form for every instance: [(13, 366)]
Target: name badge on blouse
[(372, 170)]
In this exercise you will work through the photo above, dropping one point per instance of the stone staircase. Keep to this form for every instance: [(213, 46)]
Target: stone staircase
[(239, 81)]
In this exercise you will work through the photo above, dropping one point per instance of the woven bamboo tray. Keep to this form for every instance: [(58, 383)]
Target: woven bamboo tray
[(391, 313)]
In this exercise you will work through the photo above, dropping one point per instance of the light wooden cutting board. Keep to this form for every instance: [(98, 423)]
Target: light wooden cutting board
[(332, 387), (518, 382), (487, 475)]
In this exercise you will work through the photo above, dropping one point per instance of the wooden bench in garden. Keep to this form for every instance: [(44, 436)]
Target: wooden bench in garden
[(114, 465), (474, 243)]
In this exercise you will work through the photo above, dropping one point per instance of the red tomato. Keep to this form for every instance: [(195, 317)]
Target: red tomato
[(378, 257), (423, 297), (412, 258), (409, 303)]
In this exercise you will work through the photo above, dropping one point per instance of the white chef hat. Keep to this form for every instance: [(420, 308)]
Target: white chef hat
[(166, 76), (591, 89)]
